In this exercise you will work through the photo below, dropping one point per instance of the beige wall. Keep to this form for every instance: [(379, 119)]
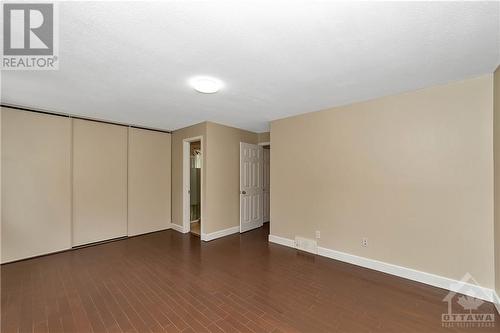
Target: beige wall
[(413, 173), (149, 172), (223, 176), (36, 184), (496, 145), (177, 138), (221, 163), (264, 137)]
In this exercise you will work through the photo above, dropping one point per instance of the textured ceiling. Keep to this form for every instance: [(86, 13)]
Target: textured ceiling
[(130, 61)]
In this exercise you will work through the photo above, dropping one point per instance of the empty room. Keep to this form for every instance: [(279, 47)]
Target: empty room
[(250, 166)]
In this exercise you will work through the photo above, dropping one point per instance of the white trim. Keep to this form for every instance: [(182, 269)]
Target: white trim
[(497, 301), (264, 143), (220, 233), (178, 228), (282, 241), (407, 273), (186, 223)]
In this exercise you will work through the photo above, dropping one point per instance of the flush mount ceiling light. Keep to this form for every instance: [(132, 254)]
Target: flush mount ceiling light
[(206, 84)]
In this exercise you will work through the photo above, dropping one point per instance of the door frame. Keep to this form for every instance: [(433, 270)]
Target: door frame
[(268, 143), (186, 185)]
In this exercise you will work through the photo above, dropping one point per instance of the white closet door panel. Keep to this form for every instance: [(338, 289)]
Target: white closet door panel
[(149, 181), (99, 181), (36, 184)]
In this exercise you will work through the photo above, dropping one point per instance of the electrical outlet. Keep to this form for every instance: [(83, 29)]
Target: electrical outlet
[(364, 242), (318, 234)]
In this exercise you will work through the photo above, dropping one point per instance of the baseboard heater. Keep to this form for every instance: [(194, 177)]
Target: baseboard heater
[(306, 245)]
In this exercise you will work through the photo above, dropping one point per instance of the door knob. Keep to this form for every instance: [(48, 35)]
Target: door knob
[(243, 192)]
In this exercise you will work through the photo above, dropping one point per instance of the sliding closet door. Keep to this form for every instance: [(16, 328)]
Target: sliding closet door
[(36, 184), (149, 181), (99, 181)]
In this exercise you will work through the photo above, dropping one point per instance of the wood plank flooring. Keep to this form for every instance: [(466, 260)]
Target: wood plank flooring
[(170, 282), (195, 228)]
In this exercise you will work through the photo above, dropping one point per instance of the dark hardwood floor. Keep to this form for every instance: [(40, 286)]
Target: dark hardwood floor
[(167, 281)]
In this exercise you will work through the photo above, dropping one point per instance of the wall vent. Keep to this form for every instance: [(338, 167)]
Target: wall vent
[(306, 244)]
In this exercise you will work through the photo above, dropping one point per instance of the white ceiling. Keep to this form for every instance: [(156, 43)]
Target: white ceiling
[(130, 61)]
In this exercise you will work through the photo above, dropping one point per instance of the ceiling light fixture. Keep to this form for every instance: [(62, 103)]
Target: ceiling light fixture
[(206, 84)]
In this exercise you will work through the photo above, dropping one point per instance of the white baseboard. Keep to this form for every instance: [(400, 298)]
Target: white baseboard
[(178, 228), (210, 236), (407, 273), (282, 241), (497, 301), (220, 233)]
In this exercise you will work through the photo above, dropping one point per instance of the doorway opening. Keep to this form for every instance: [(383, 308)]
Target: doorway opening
[(267, 183), (193, 186)]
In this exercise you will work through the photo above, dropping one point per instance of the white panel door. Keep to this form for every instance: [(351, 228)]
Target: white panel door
[(251, 186), (267, 184)]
